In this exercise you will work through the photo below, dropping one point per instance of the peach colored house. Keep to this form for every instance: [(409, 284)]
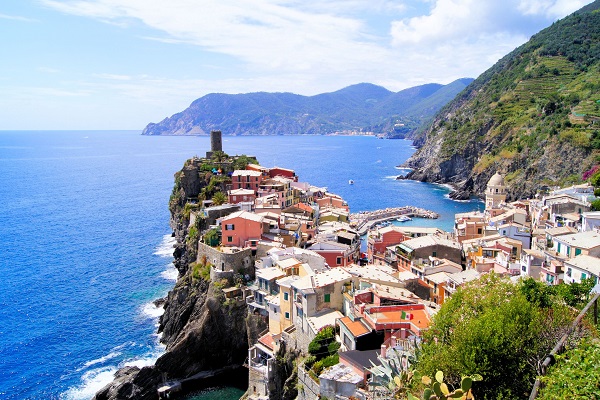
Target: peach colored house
[(469, 225), (330, 200), (243, 229)]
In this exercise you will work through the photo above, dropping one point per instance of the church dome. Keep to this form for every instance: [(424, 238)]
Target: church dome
[(496, 180)]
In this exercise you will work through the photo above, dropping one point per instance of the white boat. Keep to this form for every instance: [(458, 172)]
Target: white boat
[(351, 182), (403, 218)]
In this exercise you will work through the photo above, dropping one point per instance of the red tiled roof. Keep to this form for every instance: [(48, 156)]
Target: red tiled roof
[(267, 340)]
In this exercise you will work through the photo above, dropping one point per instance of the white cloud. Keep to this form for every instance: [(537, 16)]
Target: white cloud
[(301, 47), (16, 18), (553, 9)]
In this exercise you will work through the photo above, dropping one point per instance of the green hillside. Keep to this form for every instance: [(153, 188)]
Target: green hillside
[(535, 115), (358, 108)]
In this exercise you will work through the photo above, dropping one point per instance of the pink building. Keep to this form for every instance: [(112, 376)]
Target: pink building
[(336, 254), (382, 238), (243, 229), (246, 179), (241, 195)]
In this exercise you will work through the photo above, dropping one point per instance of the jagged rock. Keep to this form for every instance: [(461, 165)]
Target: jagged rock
[(131, 383)]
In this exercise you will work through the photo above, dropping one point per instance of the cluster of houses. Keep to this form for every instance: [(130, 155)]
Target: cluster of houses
[(310, 271)]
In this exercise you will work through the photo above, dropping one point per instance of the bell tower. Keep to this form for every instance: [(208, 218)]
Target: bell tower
[(495, 193)]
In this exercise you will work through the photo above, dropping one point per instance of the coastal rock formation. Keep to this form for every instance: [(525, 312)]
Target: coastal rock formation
[(202, 330), (533, 116)]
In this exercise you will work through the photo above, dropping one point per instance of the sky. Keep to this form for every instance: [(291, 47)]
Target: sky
[(120, 64)]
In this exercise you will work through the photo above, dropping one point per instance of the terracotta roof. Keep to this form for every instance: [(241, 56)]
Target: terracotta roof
[(267, 340), (357, 328), (420, 318)]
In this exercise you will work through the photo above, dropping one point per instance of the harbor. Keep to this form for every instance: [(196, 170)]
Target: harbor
[(365, 220)]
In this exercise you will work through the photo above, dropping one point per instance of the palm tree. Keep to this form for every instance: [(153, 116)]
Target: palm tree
[(219, 198)]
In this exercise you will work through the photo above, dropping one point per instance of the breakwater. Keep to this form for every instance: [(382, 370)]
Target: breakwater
[(364, 220)]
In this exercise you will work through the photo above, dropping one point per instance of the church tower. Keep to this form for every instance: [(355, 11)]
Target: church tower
[(495, 193)]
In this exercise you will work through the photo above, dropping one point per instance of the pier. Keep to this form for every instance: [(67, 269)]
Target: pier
[(366, 219)]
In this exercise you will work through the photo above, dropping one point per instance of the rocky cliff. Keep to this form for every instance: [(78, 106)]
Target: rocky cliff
[(533, 116), (202, 330)]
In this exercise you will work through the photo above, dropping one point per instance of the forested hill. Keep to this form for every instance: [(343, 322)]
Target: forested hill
[(361, 107), (533, 116)]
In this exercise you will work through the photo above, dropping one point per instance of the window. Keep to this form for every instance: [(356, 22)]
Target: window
[(285, 296), (434, 254), (287, 315), (479, 231), (577, 252), (523, 268), (338, 261), (569, 271), (229, 227), (229, 239), (583, 276), (327, 298)]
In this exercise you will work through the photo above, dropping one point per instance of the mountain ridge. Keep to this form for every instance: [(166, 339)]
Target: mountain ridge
[(363, 107)]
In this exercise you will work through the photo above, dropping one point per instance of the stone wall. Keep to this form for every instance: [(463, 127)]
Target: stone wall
[(307, 388), (225, 261), (217, 275)]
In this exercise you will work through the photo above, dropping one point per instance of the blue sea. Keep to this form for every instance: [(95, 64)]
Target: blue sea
[(85, 241)]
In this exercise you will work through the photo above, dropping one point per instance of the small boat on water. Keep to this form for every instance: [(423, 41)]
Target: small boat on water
[(403, 218), (351, 182)]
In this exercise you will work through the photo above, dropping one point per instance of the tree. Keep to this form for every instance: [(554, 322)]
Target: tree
[(491, 328), (219, 198), (219, 156), (242, 162)]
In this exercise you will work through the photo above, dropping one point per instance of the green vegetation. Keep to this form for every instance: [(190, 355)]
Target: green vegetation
[(438, 390), (201, 270), (323, 351), (211, 237), (536, 105), (497, 329), (576, 374), (219, 198), (242, 162)]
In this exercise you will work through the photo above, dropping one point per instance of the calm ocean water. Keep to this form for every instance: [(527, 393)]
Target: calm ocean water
[(85, 242)]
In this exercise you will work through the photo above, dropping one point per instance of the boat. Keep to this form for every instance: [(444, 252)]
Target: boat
[(403, 218), (351, 182)]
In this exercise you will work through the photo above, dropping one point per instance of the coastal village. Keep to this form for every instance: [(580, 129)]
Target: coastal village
[(351, 292)]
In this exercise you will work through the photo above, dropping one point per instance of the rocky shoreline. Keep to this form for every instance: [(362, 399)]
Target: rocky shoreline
[(462, 192), (200, 329)]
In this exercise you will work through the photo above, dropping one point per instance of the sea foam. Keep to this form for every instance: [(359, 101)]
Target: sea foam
[(165, 248), (91, 382)]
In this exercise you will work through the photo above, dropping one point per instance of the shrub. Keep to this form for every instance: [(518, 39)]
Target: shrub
[(575, 375)]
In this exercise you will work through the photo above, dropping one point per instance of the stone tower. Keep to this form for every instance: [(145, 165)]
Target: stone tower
[(216, 142), (495, 193)]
